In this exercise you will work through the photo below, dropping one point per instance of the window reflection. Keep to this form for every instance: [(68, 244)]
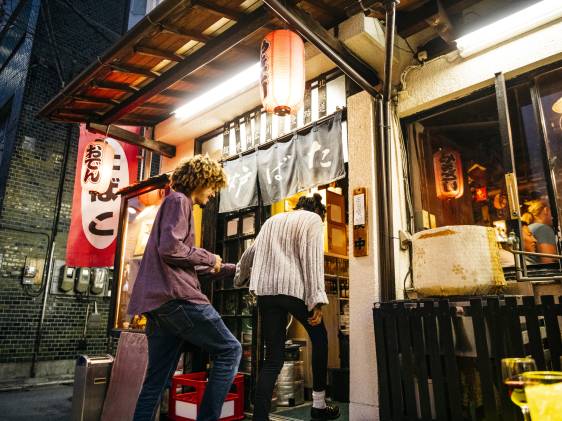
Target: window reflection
[(459, 165), (141, 215)]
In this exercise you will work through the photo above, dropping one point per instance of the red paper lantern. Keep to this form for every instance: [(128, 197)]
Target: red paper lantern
[(481, 194), (97, 166), (449, 182), (282, 72)]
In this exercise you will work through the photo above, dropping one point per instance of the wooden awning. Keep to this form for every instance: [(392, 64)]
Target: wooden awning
[(176, 52)]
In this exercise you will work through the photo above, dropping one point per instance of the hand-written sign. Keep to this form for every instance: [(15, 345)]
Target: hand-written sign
[(449, 182)]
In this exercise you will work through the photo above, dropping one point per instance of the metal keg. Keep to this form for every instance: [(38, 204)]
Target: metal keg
[(290, 394)]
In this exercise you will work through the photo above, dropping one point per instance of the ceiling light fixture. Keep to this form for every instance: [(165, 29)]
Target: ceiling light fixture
[(224, 91), (518, 23)]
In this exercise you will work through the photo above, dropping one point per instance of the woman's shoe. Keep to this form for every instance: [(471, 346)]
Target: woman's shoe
[(331, 412)]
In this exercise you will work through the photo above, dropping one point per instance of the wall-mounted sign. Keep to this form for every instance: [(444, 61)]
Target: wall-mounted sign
[(449, 182), (95, 215)]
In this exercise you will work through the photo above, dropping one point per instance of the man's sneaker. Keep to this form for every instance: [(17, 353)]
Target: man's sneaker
[(331, 412)]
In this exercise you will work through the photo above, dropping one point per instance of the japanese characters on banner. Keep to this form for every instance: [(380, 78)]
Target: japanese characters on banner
[(95, 216), (242, 189), (320, 154), (285, 168), (277, 171)]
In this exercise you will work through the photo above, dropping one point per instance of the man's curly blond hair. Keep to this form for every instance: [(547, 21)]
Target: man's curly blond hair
[(198, 171)]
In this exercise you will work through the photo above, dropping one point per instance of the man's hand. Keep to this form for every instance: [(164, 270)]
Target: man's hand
[(316, 317), (218, 263)]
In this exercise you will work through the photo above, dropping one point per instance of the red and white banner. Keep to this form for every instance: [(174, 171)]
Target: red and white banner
[(95, 216)]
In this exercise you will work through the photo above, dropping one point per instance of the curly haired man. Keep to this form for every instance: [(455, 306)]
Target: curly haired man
[(168, 292)]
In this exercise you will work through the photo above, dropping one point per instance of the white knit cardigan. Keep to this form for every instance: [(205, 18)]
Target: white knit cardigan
[(287, 258)]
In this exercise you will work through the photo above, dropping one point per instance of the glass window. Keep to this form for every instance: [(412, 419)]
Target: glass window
[(141, 214), (459, 164), (550, 91)]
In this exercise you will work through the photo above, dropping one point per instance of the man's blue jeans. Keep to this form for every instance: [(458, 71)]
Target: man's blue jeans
[(168, 327)]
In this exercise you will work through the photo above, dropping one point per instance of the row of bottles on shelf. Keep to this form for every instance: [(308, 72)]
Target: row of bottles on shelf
[(331, 285), (336, 266)]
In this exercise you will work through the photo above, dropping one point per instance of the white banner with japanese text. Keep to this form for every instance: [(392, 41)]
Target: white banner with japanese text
[(242, 189)]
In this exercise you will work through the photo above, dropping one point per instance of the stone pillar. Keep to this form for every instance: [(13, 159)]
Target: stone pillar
[(364, 286)]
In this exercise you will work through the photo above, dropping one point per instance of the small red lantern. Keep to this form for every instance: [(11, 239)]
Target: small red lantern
[(449, 182), (97, 166), (282, 72), (481, 194)]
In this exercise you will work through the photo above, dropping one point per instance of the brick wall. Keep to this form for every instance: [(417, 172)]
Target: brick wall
[(32, 176)]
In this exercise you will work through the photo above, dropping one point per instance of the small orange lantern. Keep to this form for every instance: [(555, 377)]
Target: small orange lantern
[(449, 182), (97, 166), (282, 72), (481, 194)]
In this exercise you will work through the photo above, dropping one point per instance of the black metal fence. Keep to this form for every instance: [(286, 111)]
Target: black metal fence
[(440, 359)]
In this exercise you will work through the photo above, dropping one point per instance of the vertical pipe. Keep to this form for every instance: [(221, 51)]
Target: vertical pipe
[(388, 291)]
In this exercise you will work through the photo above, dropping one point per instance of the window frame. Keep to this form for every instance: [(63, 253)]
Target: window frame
[(530, 80)]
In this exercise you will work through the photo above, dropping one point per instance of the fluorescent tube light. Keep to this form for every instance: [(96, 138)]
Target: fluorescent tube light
[(518, 23), (224, 91)]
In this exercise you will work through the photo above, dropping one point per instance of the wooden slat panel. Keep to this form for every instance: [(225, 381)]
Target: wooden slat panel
[(420, 352), (551, 313), (511, 316), (406, 354), (391, 335), (448, 350), (483, 359), (533, 331), (382, 364), (436, 368)]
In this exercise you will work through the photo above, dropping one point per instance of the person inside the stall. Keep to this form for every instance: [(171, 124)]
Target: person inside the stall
[(541, 227), (285, 269), (168, 292)]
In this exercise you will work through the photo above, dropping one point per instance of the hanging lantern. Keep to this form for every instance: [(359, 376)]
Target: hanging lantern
[(282, 72), (449, 182), (481, 194), (97, 166)]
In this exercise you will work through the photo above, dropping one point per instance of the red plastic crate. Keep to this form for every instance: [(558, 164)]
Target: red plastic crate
[(185, 406)]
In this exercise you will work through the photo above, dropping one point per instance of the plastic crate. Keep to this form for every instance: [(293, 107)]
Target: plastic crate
[(185, 406)]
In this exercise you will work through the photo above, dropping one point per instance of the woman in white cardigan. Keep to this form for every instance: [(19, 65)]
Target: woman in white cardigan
[(285, 268)]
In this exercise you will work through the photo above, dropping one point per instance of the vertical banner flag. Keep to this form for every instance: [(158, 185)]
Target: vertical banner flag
[(242, 188), (95, 216), (277, 171), (320, 154)]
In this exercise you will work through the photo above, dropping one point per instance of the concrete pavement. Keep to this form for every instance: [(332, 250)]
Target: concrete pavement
[(52, 403)]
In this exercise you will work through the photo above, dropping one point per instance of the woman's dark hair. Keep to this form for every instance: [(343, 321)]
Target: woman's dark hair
[(312, 204)]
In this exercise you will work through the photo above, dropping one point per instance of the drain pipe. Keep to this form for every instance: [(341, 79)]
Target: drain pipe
[(51, 253), (384, 155)]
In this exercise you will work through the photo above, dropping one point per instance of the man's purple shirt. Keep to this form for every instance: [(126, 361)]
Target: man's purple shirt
[(171, 262)]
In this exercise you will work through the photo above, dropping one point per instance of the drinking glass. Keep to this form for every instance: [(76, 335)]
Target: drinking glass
[(543, 390), (512, 375)]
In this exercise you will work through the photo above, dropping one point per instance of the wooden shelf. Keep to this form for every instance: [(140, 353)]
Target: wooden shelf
[(339, 256)]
